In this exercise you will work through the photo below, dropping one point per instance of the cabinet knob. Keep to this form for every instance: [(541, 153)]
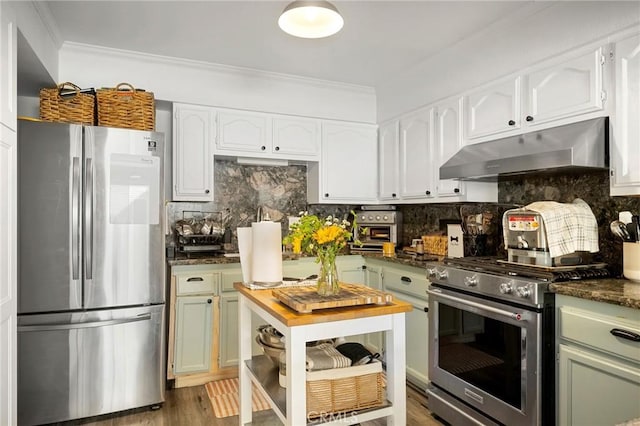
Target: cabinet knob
[(326, 195), (209, 300), (529, 118), (206, 191), (277, 148), (263, 147), (512, 123), (428, 192), (393, 195), (456, 190)]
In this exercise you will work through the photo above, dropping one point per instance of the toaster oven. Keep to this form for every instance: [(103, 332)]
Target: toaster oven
[(526, 242)]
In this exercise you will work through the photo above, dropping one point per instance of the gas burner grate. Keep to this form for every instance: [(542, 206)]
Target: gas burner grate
[(550, 274)]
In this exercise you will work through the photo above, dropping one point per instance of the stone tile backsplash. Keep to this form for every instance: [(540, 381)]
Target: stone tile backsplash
[(281, 191)]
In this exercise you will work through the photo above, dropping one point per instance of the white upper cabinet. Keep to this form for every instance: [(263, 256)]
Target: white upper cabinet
[(8, 66), (571, 88), (261, 135), (555, 93), (416, 155), (448, 140), (493, 110), (243, 132), (347, 171), (388, 140), (192, 154), (296, 137), (625, 146)]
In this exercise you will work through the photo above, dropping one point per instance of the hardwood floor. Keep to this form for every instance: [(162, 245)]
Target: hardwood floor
[(191, 406)]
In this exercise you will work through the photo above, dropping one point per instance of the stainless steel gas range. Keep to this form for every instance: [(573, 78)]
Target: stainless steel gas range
[(491, 340)]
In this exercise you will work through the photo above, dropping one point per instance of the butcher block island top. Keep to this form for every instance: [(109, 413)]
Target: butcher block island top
[(290, 317)]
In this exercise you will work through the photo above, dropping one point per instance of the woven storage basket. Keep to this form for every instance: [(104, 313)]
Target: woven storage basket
[(435, 244), (344, 389), (72, 108), (126, 107)]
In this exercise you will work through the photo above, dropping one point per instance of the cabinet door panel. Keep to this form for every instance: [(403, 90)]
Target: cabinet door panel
[(416, 180), (594, 390), (389, 173), (349, 162), (8, 70), (572, 88), (240, 131), (194, 329), (625, 146), (373, 279), (296, 137), (493, 110), (448, 141), (192, 157), (229, 330)]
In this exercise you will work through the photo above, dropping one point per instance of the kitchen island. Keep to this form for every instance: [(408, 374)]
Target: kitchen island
[(290, 404)]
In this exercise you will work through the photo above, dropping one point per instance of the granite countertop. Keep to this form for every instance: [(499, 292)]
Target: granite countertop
[(616, 291), (207, 259)]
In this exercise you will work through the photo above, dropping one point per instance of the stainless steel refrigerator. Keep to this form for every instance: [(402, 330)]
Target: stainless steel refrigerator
[(91, 274)]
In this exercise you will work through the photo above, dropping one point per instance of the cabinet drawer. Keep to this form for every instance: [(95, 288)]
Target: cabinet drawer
[(197, 283), (411, 283), (596, 331)]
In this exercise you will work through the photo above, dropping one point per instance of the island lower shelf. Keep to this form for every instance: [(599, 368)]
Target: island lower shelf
[(265, 375)]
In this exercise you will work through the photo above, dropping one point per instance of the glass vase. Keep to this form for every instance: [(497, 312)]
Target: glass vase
[(328, 284)]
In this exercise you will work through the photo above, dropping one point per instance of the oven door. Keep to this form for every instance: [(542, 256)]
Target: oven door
[(376, 234), (485, 354)]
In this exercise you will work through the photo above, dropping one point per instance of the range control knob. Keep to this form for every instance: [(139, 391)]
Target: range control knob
[(363, 217), (370, 217), (442, 275), (471, 281), (431, 272), (385, 217), (378, 217), (506, 288), (523, 292)]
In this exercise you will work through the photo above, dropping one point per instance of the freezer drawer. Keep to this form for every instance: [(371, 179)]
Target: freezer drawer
[(77, 365)]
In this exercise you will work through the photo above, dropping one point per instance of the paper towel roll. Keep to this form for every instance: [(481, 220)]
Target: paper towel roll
[(266, 256), (245, 247)]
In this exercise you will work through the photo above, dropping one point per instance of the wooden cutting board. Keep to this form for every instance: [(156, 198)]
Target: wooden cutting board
[(306, 299)]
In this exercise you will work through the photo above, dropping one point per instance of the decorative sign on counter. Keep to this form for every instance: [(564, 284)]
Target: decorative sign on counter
[(306, 299)]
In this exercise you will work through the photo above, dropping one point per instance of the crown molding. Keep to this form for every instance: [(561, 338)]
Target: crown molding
[(213, 67), (43, 11)]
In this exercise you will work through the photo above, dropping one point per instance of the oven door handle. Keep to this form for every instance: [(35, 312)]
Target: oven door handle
[(513, 315)]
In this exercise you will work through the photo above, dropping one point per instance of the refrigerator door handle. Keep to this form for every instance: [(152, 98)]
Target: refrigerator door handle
[(75, 219), (88, 219), (90, 324)]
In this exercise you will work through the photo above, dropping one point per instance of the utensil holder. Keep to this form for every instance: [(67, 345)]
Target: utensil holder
[(631, 261)]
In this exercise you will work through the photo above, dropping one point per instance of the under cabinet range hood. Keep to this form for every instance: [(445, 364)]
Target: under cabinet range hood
[(578, 145)]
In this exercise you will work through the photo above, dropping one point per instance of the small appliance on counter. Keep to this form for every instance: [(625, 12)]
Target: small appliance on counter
[(551, 234), (377, 225)]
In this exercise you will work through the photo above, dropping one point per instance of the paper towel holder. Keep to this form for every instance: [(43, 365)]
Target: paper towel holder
[(262, 217)]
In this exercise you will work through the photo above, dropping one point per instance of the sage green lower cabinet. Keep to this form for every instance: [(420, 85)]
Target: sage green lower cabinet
[(194, 331), (228, 329), (229, 274), (410, 284), (598, 372), (373, 279)]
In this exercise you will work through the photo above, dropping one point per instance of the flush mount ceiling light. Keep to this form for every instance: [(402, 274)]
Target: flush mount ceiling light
[(310, 19)]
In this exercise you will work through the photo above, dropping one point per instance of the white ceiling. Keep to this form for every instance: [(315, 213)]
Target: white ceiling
[(379, 38)]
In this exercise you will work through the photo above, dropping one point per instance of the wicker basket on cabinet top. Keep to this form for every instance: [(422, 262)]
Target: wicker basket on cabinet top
[(67, 104), (126, 107)]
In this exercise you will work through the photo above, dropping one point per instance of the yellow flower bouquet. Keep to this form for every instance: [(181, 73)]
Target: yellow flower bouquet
[(323, 238)]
